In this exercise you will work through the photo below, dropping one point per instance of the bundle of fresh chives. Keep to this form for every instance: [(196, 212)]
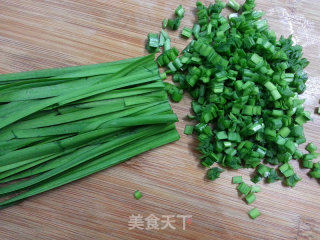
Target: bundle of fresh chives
[(59, 125)]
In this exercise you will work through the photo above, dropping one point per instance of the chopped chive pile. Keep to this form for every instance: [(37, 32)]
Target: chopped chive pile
[(244, 84)]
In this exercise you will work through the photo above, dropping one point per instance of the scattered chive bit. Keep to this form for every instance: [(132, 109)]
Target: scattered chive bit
[(263, 170), (214, 173), (286, 169), (255, 189), (191, 117), (166, 57), (297, 155), (256, 178), (167, 44), (180, 11), (188, 130), (137, 194), (164, 34), (163, 76), (186, 32), (315, 173), (234, 5), (311, 148), (244, 188), (153, 43), (164, 23), (174, 24), (310, 156), (254, 213), (250, 198), (273, 176), (164, 40), (237, 179), (307, 164), (292, 180), (153, 40)]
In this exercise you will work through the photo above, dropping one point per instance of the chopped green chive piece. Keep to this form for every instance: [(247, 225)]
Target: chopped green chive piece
[(309, 157), (264, 170), (255, 189), (285, 167), (174, 24), (180, 11), (315, 172), (316, 165), (250, 198), (172, 67), (254, 213), (297, 155), (196, 30), (214, 173), (167, 45), (244, 188), (163, 76), (234, 5), (153, 40), (174, 92), (153, 43), (292, 180), (237, 179), (222, 135), (273, 176), (284, 132), (311, 148), (188, 130), (307, 164), (287, 170), (164, 23), (137, 194), (186, 32)]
